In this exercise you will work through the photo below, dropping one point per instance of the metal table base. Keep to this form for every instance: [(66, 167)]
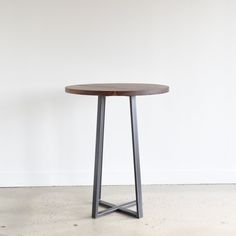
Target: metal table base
[(123, 208)]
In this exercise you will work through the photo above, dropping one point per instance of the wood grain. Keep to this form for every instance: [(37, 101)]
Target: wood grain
[(117, 89)]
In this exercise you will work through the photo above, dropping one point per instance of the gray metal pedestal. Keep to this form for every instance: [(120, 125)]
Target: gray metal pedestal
[(122, 208)]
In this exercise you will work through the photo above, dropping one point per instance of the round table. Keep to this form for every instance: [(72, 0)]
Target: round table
[(116, 89)]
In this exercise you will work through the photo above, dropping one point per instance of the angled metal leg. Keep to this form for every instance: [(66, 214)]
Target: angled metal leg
[(137, 175), (98, 155)]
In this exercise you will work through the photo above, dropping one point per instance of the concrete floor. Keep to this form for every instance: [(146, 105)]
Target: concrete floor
[(169, 210)]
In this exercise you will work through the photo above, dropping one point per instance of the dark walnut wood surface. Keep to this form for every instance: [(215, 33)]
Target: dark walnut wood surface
[(117, 89)]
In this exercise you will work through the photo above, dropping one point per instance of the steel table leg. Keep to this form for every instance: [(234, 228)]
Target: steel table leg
[(98, 155)]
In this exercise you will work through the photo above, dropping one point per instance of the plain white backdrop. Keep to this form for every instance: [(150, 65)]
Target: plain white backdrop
[(47, 137)]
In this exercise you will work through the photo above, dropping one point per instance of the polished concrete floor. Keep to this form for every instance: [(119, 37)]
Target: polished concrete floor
[(169, 210)]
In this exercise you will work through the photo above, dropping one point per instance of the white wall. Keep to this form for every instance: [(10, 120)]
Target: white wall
[(47, 137)]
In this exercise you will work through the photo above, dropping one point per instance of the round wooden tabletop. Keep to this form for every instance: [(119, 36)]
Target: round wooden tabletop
[(117, 89)]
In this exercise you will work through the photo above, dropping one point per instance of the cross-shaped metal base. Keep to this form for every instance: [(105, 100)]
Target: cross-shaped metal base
[(123, 208)]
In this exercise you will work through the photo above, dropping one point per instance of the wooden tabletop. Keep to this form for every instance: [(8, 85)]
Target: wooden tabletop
[(117, 89)]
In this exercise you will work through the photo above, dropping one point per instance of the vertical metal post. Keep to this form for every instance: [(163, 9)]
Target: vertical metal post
[(98, 155), (137, 175)]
